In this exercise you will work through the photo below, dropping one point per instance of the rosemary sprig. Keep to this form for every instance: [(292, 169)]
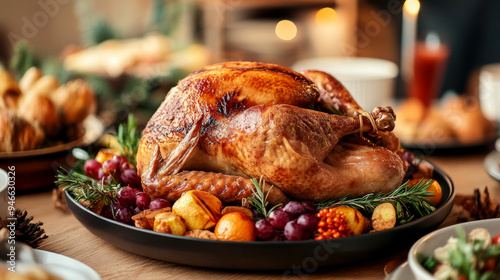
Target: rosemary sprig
[(128, 138), (332, 110), (86, 188), (335, 111), (259, 199), (410, 202)]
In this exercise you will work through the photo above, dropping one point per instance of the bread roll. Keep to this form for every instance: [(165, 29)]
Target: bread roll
[(409, 115), (46, 85), (434, 129), (16, 134), (466, 119), (40, 109), (76, 101), (9, 90), (30, 77)]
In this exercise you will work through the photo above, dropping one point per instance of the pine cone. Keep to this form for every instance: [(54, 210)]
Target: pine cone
[(26, 231), (478, 206)]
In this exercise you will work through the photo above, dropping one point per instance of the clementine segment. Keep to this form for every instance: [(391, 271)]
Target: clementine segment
[(235, 226)]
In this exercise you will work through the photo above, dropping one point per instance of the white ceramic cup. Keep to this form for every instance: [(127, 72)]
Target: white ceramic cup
[(489, 91), (369, 80), (4, 182)]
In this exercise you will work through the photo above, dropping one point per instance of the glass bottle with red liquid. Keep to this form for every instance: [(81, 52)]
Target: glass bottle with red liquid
[(428, 69)]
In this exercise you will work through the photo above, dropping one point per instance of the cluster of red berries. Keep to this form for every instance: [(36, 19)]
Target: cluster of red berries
[(332, 224)]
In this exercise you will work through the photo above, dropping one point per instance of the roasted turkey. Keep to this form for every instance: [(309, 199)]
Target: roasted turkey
[(303, 133)]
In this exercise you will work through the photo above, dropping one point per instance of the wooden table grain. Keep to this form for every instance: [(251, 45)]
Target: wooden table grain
[(68, 237)]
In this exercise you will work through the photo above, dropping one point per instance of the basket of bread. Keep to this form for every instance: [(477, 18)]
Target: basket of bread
[(41, 120)]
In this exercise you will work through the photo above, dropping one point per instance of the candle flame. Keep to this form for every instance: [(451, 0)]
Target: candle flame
[(412, 6)]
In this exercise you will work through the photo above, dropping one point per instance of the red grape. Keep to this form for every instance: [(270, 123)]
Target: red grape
[(309, 207), (264, 229), (278, 236), (159, 203), (125, 166), (106, 212), (108, 178), (138, 210), (142, 200), (280, 207), (92, 167), (308, 222), (126, 196), (124, 215), (100, 174), (293, 231), (116, 205), (136, 190), (294, 209), (278, 218), (256, 214), (408, 157), (121, 159), (110, 166), (130, 177)]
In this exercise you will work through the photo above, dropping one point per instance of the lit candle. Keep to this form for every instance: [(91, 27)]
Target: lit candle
[(408, 37), (325, 30)]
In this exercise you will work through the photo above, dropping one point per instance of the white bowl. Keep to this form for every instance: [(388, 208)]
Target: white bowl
[(369, 80), (438, 238)]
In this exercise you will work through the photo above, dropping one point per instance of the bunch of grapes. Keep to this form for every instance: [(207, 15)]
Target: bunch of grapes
[(412, 166), (112, 170), (131, 201), (293, 221)]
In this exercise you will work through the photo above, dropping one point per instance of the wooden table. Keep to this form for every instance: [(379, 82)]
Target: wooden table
[(68, 237)]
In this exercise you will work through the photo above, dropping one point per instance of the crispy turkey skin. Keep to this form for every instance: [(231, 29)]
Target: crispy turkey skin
[(229, 122)]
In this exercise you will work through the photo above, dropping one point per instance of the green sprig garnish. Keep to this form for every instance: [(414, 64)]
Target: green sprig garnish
[(259, 199), (410, 202), (332, 110), (85, 188), (129, 138)]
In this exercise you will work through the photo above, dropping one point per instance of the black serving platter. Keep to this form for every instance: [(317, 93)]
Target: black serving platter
[(287, 256), (451, 149)]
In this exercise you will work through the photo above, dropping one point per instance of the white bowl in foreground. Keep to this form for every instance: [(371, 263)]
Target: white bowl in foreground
[(438, 238), (369, 80)]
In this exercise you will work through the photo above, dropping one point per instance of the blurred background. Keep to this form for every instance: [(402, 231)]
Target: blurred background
[(132, 52)]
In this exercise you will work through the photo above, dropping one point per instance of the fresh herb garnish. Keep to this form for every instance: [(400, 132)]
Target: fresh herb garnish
[(128, 138), (335, 111), (259, 199), (86, 188), (332, 110), (90, 190), (410, 201)]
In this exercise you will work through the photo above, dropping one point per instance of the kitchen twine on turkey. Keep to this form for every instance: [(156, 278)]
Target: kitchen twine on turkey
[(372, 121), (370, 117)]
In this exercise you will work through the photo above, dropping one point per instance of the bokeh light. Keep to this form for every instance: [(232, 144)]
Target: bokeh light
[(326, 15), (286, 30)]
